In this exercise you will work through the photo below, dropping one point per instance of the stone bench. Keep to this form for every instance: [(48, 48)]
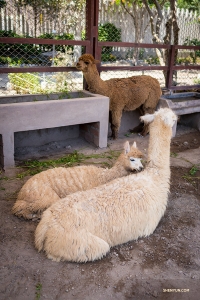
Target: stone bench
[(33, 112), (182, 104)]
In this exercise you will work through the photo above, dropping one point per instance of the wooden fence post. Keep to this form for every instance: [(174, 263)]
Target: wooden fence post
[(92, 14)]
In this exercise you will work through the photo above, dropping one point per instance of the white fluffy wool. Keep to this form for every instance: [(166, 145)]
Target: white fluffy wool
[(83, 226)]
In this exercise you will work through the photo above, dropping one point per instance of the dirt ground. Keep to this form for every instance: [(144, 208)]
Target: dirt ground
[(165, 265)]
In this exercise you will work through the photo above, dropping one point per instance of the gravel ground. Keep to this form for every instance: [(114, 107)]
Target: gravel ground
[(165, 265)]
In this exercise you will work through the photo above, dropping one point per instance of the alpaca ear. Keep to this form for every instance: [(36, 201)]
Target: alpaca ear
[(134, 145), (96, 61), (147, 118), (127, 147)]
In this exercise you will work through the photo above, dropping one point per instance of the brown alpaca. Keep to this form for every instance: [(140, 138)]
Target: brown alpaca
[(125, 93)]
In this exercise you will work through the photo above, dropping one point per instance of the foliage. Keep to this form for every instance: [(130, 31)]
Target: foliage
[(61, 48), (193, 42), (34, 166), (184, 60), (17, 54), (12, 52), (38, 291), (108, 32), (2, 4), (49, 8), (25, 83), (188, 4), (152, 60)]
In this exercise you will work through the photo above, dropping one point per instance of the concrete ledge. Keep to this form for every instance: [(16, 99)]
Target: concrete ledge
[(181, 103), (42, 114)]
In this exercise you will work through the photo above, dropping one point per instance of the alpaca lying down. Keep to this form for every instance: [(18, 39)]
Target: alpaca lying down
[(84, 225), (47, 187)]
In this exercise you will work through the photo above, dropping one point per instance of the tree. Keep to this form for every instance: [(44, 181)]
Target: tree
[(189, 4), (154, 9), (49, 8)]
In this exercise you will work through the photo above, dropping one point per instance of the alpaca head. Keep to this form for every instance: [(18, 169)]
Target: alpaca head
[(85, 62), (132, 157), (166, 115)]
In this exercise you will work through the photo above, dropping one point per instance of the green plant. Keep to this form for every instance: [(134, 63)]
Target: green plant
[(61, 48), (152, 60), (190, 176), (34, 166), (107, 32), (38, 291), (2, 3), (193, 170), (193, 42), (184, 60), (197, 80), (25, 83), (4, 178), (16, 49), (141, 53), (173, 154)]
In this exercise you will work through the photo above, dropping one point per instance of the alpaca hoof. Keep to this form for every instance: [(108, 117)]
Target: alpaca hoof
[(137, 129)]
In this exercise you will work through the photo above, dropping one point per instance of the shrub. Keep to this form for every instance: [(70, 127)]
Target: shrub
[(184, 60), (152, 60), (61, 48), (107, 32), (194, 54)]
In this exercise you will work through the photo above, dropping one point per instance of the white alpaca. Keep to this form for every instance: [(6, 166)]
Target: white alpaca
[(47, 187), (83, 226)]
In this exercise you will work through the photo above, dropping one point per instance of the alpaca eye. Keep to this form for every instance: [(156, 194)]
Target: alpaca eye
[(86, 62), (132, 159)]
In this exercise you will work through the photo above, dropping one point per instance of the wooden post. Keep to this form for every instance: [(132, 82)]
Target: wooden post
[(92, 15), (171, 63)]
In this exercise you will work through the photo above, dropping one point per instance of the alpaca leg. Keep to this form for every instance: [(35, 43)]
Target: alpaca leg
[(20, 209), (115, 123), (31, 205), (138, 128), (76, 245)]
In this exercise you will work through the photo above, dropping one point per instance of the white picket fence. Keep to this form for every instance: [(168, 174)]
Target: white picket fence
[(22, 22)]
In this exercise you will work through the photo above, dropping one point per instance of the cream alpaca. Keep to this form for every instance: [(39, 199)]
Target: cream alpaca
[(125, 93), (83, 226), (47, 187)]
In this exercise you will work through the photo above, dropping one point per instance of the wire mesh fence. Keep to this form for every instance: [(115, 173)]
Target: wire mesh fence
[(54, 25)]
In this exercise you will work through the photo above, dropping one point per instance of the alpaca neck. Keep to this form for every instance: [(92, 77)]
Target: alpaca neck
[(159, 147), (118, 170), (95, 83)]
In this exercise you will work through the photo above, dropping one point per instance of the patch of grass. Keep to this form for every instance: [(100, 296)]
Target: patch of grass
[(173, 154), (2, 189), (127, 134), (193, 170), (38, 291), (35, 166), (190, 175), (4, 178)]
